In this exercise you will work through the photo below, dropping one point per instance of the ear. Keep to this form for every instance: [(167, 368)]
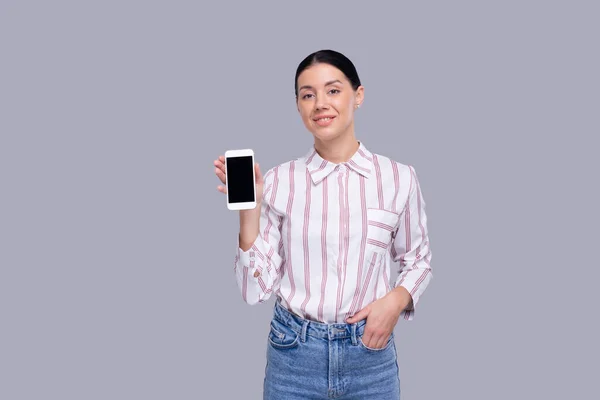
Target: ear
[(359, 96)]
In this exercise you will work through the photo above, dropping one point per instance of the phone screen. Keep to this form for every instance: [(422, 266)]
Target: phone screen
[(240, 179)]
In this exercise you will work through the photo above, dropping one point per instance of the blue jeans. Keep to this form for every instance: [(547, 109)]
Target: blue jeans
[(312, 360)]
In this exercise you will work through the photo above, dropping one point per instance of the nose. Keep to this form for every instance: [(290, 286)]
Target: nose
[(321, 105)]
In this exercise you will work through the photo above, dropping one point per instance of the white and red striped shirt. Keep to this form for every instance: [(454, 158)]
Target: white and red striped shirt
[(329, 233)]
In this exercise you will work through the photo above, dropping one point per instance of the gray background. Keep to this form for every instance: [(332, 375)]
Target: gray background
[(116, 254)]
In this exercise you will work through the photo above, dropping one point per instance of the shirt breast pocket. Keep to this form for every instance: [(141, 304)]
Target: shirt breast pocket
[(381, 225)]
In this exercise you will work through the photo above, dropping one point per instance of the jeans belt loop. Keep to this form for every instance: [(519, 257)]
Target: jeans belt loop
[(353, 330), (304, 326)]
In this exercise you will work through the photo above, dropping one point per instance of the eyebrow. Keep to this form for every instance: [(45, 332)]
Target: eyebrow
[(326, 84)]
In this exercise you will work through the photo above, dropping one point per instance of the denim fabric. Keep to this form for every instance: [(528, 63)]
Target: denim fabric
[(312, 360)]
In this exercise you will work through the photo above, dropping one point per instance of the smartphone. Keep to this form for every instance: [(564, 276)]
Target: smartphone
[(240, 179)]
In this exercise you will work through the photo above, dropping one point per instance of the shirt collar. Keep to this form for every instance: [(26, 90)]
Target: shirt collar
[(319, 168)]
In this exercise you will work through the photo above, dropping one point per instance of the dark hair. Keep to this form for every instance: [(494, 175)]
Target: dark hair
[(333, 58)]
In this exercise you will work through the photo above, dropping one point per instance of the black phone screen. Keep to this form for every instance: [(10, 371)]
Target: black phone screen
[(240, 179)]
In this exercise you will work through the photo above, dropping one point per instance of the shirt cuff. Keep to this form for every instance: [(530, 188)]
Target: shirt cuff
[(415, 288), (252, 259)]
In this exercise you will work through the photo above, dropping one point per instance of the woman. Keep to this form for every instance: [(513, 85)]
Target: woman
[(322, 239)]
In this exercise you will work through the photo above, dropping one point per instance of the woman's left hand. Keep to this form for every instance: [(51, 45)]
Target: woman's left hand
[(382, 316)]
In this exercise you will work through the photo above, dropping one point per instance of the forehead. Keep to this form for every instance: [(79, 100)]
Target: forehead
[(319, 74)]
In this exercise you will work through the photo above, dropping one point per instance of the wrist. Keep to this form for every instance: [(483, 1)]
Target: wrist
[(249, 227), (252, 213), (402, 297)]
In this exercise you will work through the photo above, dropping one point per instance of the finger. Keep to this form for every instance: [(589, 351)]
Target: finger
[(220, 175), (259, 176), (219, 165), (380, 342), (222, 189), (367, 336), (373, 342), (362, 314)]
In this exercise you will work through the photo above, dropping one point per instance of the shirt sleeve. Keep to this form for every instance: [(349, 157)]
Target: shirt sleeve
[(263, 258), (411, 246)]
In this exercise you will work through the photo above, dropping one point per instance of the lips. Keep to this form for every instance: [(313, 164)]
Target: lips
[(324, 120)]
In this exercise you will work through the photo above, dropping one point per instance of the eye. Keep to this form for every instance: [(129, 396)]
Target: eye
[(334, 91), (306, 95)]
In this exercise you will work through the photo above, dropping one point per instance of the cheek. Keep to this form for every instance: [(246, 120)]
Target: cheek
[(345, 106), (305, 114)]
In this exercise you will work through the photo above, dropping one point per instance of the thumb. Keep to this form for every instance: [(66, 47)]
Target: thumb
[(362, 314), (259, 177)]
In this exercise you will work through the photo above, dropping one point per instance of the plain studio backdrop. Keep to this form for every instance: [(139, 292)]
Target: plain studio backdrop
[(116, 250)]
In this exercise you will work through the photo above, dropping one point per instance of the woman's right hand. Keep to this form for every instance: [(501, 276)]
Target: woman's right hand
[(220, 172), (249, 219)]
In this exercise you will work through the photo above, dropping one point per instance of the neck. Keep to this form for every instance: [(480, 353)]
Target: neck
[(338, 150)]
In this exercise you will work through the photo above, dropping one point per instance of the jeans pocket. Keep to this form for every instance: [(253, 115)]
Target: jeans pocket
[(387, 345), (282, 336)]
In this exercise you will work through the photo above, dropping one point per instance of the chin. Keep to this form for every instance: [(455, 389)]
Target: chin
[(326, 136)]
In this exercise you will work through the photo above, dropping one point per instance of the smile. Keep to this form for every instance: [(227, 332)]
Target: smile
[(324, 121)]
